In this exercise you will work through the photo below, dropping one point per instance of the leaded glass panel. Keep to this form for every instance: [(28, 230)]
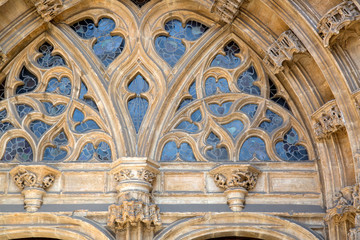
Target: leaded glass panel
[(253, 147), (230, 60), (48, 60), (289, 150)]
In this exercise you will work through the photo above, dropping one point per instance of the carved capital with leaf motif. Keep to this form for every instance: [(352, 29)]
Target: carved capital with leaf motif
[(47, 9), (227, 10)]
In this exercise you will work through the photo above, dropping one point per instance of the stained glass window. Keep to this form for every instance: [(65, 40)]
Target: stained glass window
[(87, 100), (138, 105), (39, 127), (212, 86), (106, 47), (246, 82), (62, 87), (23, 109), (140, 3), (253, 147), (29, 80), (56, 153), (274, 121), (273, 96), (18, 148), (171, 152), (215, 152), (289, 150), (189, 126), (48, 60), (220, 109), (102, 152), (250, 110), (83, 126), (234, 127), (187, 100), (4, 126), (171, 48), (230, 60), (2, 89), (54, 110)]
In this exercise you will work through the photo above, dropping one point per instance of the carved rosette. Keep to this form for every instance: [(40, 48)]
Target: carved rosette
[(135, 205), (237, 180), (336, 19), (328, 120), (227, 10), (48, 9), (283, 49), (34, 180)]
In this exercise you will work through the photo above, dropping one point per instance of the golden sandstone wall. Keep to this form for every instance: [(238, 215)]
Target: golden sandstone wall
[(310, 50)]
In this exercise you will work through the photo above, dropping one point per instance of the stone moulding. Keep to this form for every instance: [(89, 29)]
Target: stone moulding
[(283, 49), (237, 180), (328, 120), (134, 206), (47, 9), (227, 10), (3, 57), (336, 19), (34, 180)]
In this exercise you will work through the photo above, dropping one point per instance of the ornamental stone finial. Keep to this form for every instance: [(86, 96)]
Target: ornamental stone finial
[(34, 180), (237, 180), (227, 10), (47, 9), (135, 206)]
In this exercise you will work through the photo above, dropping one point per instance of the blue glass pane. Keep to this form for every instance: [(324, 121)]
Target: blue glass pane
[(4, 126), (220, 110), (228, 61), (103, 152), (140, 3), (187, 126), (138, 85), (38, 127), (192, 92), (88, 101), (137, 109), (23, 110), (170, 49), (48, 60), (106, 47), (196, 116), (253, 147), (211, 86), (87, 153), (246, 82), (84, 126), (56, 153), (62, 87), (192, 31), (275, 121), (60, 139), (249, 109), (29, 80), (279, 100), (288, 150), (234, 127), (54, 110), (170, 152), (216, 153), (19, 148)]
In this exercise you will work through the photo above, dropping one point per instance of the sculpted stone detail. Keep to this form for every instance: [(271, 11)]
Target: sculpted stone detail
[(3, 57), (227, 9), (283, 49), (47, 9), (33, 180), (142, 174), (328, 121), (237, 180), (336, 19)]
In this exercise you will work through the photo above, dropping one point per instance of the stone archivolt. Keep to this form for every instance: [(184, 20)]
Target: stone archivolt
[(283, 49), (227, 10), (328, 120), (336, 19), (48, 9)]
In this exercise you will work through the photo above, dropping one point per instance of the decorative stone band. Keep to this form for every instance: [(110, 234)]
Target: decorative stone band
[(33, 180), (237, 180), (141, 174), (47, 9), (336, 19), (227, 10), (132, 213), (283, 49), (328, 120)]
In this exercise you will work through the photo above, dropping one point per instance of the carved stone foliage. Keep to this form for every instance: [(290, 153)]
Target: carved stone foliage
[(283, 49), (3, 57), (48, 9), (135, 205), (237, 180), (33, 180), (328, 120), (227, 9), (336, 19)]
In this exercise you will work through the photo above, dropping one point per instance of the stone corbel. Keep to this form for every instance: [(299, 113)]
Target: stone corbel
[(237, 180), (336, 19), (283, 49), (47, 9), (227, 10), (328, 120), (135, 206), (34, 180)]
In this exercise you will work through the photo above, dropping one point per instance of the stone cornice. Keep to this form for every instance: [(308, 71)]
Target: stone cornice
[(336, 19), (283, 49)]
